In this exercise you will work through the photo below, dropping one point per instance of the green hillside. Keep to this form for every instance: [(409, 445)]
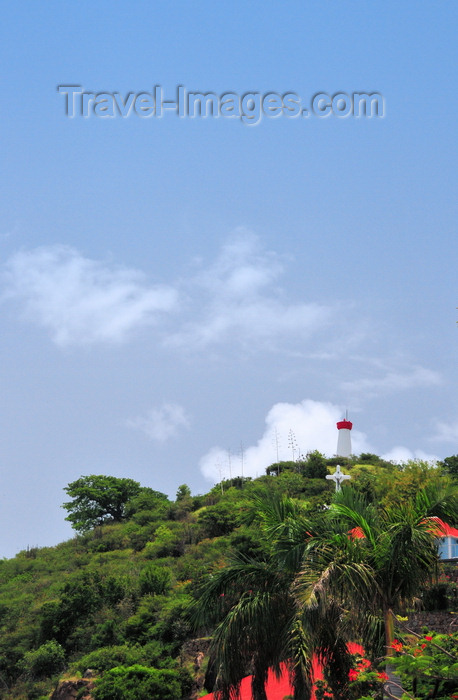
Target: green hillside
[(144, 575)]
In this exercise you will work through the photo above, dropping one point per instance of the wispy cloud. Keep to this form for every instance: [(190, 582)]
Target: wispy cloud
[(236, 299), (446, 432), (82, 301), (161, 423), (393, 381), (400, 454)]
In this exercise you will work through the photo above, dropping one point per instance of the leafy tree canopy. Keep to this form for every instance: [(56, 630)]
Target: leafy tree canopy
[(97, 499), (45, 661), (183, 492), (450, 465), (315, 465)]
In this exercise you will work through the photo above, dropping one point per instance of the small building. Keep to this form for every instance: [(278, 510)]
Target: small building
[(447, 537), (448, 540)]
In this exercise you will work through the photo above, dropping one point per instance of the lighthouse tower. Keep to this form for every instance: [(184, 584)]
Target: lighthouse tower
[(344, 439)]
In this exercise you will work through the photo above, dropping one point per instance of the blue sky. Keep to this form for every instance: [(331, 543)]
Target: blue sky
[(175, 292)]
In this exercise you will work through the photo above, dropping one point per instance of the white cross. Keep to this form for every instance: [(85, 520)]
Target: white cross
[(338, 477)]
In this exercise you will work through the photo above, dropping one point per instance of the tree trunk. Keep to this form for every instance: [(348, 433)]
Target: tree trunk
[(388, 619), (259, 679), (393, 685), (258, 688)]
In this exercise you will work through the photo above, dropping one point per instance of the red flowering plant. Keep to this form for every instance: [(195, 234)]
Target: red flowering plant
[(428, 665), (364, 682)]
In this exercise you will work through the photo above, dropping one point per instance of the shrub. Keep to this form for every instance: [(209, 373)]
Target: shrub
[(435, 597), (45, 661), (173, 624), (138, 683), (166, 543), (147, 506), (140, 626), (82, 595), (107, 658), (218, 520), (154, 580), (107, 633), (315, 466)]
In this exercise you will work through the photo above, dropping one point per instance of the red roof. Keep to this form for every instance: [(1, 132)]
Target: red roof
[(438, 528), (442, 529), (277, 688), (348, 425)]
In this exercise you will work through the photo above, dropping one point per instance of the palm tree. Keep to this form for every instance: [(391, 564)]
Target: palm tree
[(375, 559), (399, 546), (261, 618), (253, 635), (322, 584)]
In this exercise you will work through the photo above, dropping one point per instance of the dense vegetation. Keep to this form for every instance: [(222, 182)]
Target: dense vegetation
[(145, 574)]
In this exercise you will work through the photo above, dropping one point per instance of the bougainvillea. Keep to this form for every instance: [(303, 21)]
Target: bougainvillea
[(427, 665)]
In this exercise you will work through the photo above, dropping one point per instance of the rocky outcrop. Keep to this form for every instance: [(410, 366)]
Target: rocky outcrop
[(193, 647), (195, 652), (70, 690)]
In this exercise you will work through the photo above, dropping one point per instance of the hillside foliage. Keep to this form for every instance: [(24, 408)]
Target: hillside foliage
[(120, 597)]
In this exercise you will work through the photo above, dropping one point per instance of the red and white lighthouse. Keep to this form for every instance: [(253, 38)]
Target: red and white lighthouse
[(344, 438)]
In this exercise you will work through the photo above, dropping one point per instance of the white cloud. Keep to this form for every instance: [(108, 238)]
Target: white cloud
[(313, 424), (393, 381), (162, 423), (82, 301), (446, 432), (400, 454), (236, 300)]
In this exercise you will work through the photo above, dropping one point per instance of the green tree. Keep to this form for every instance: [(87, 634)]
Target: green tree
[(253, 598), (45, 661), (147, 506), (80, 597), (315, 466), (98, 499), (279, 467), (183, 505), (183, 492), (450, 465), (218, 520), (428, 664)]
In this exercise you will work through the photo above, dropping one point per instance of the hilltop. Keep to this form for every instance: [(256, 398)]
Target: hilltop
[(119, 594)]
